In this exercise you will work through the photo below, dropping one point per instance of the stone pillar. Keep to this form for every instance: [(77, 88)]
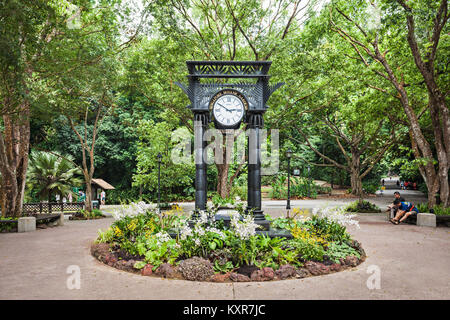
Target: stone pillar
[(426, 220), (255, 124), (60, 221), (200, 126), (26, 224)]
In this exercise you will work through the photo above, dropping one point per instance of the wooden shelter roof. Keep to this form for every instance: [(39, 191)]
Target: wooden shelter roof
[(103, 184)]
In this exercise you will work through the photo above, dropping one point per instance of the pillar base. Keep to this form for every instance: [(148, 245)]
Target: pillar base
[(260, 219)]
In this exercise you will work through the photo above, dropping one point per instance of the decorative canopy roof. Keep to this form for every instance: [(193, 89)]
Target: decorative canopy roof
[(228, 69), (103, 184), (200, 92)]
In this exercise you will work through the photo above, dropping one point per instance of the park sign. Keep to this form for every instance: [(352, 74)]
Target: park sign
[(229, 93)]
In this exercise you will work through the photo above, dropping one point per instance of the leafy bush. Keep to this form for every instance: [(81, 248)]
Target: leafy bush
[(8, 226), (440, 210), (362, 206), (299, 187), (369, 187), (118, 196), (308, 250), (239, 191), (422, 207), (324, 190), (327, 229), (84, 214)]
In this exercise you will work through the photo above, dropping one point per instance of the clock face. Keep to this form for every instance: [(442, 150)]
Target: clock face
[(228, 110)]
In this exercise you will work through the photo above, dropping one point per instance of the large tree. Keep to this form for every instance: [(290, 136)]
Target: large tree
[(226, 30), (403, 49), (26, 29), (48, 51)]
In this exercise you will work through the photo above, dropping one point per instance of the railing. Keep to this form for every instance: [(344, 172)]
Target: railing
[(49, 207)]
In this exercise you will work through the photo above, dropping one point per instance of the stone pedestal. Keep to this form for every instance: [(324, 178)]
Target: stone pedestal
[(426, 220), (26, 224), (60, 221)]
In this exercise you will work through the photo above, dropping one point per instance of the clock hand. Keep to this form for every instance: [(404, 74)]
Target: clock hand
[(224, 107)]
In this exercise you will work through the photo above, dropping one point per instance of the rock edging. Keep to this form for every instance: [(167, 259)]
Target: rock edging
[(199, 269)]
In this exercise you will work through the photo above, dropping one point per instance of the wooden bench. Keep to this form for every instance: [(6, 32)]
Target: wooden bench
[(46, 218)]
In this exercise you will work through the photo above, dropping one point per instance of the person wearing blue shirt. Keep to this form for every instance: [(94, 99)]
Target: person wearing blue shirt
[(405, 209)]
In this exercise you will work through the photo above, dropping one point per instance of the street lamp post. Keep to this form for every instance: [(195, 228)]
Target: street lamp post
[(289, 155), (159, 156)]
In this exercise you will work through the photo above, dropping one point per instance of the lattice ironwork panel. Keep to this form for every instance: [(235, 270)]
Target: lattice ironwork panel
[(45, 207), (228, 68)]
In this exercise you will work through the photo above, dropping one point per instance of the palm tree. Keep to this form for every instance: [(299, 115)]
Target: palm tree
[(51, 174)]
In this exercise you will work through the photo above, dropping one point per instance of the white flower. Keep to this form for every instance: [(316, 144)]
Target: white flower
[(216, 231), (197, 241), (203, 218), (185, 232), (162, 237), (132, 210), (199, 230), (338, 215), (243, 229)]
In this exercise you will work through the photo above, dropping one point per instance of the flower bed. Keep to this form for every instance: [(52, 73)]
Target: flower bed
[(140, 241)]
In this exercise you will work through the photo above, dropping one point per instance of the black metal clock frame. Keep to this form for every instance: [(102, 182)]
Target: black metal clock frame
[(206, 79)]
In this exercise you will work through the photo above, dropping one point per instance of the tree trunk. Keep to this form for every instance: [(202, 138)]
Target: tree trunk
[(356, 183), (355, 169), (223, 183), (437, 105), (14, 147), (441, 141), (88, 200), (223, 187)]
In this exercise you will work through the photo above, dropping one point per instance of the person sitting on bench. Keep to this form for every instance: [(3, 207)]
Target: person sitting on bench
[(405, 209), (391, 207)]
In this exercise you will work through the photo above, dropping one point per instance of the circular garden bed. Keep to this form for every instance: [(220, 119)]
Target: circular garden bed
[(168, 245)]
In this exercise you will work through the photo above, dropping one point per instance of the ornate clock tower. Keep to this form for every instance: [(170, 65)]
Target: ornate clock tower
[(216, 96)]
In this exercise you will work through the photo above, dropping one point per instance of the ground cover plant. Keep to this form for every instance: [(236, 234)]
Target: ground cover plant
[(168, 244), (362, 206)]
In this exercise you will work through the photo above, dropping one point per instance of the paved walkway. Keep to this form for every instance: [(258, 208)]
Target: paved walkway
[(414, 264), (277, 207)]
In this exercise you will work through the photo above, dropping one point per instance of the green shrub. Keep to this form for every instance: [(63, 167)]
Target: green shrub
[(7, 226), (362, 206), (239, 191), (324, 190), (369, 187), (308, 250), (440, 210), (327, 229), (299, 187), (422, 207)]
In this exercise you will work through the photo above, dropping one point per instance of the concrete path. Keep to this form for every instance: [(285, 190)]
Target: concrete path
[(414, 263), (277, 207)]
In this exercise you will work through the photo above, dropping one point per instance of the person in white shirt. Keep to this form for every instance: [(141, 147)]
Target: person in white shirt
[(103, 197)]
